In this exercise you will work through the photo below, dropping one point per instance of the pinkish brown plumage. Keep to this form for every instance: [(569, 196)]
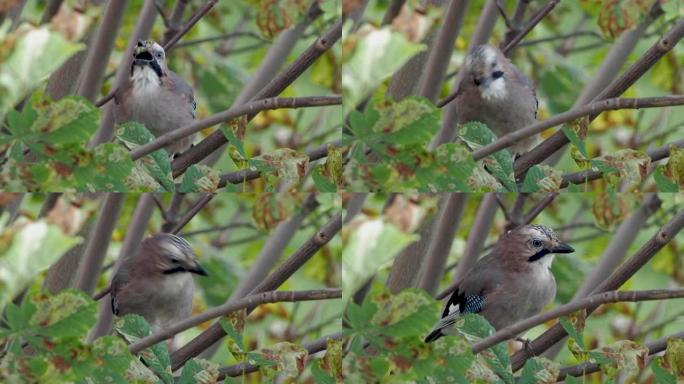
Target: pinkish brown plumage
[(511, 283)]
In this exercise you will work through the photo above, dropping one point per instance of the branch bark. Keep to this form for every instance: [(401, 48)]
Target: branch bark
[(615, 89), (275, 87), (616, 279), (250, 301), (250, 108), (587, 367), (477, 236), (98, 242), (134, 235), (530, 25), (592, 109), (194, 210), (215, 332), (592, 302), (451, 208), (242, 368)]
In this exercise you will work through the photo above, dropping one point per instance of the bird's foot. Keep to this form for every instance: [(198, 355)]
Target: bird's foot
[(527, 344)]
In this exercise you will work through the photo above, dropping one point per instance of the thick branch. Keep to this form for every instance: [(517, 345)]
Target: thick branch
[(619, 277), (242, 368), (615, 89), (591, 174), (272, 282), (591, 109), (98, 241), (588, 367), (232, 306), (592, 301), (250, 108), (275, 87)]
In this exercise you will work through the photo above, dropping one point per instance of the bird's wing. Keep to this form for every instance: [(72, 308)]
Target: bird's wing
[(528, 86), (118, 287), (179, 86)]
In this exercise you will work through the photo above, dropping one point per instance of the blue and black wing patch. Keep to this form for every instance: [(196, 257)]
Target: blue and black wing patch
[(458, 303)]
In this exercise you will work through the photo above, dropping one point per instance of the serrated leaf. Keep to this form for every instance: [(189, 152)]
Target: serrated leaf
[(199, 178), (500, 163), (542, 178), (283, 165), (157, 164), (133, 328), (70, 313), (632, 165)]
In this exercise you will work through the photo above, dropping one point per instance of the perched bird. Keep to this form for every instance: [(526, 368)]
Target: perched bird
[(495, 93), (156, 282), (155, 96), (511, 283)]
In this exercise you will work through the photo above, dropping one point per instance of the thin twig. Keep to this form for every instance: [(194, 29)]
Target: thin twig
[(593, 108), (191, 22), (592, 301), (199, 204), (531, 24), (223, 310), (245, 109)]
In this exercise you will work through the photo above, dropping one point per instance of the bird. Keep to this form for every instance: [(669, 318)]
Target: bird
[(494, 92), (156, 282), (511, 283), (155, 96)]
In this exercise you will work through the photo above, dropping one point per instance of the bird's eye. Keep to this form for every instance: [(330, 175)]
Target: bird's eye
[(174, 260), (536, 243), (497, 74), (476, 81), (159, 55)]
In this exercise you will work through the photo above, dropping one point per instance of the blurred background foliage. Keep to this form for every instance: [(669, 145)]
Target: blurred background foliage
[(561, 55), (227, 235), (217, 57), (579, 220)]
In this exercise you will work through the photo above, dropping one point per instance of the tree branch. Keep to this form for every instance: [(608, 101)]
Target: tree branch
[(530, 25), (592, 301), (191, 22), (194, 210), (215, 332), (591, 174), (244, 175), (616, 279), (615, 89), (275, 87), (232, 306), (98, 242), (250, 108), (242, 368), (591, 109)]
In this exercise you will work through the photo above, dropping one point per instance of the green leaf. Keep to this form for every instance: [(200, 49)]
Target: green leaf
[(663, 183), (539, 370), (33, 54), (373, 243), (199, 178), (367, 62), (661, 375), (572, 331), (542, 178), (33, 249), (322, 183), (70, 313), (408, 313), (500, 164), (157, 164), (199, 371), (156, 357)]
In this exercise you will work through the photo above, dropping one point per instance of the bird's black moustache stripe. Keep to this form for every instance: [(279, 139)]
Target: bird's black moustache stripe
[(538, 255), (174, 270)]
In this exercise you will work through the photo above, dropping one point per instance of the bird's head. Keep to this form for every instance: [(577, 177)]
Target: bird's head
[(532, 244), (148, 59), (485, 67), (171, 254)]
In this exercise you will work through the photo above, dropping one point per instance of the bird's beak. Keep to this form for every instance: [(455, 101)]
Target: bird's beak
[(562, 248), (197, 268)]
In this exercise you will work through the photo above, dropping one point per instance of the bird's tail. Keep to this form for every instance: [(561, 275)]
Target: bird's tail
[(434, 335)]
